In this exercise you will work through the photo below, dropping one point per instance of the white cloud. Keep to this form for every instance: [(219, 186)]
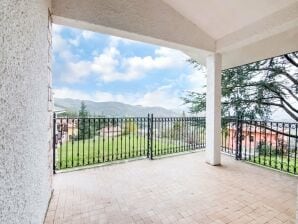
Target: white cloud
[(88, 34), (197, 80), (163, 96), (56, 28), (59, 44), (98, 96), (70, 93), (110, 65), (75, 41), (77, 71)]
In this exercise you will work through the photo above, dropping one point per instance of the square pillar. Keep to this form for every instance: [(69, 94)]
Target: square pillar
[(213, 109), (25, 131)]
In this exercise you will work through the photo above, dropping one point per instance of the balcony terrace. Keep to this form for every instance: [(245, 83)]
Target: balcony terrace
[(180, 189), (217, 34)]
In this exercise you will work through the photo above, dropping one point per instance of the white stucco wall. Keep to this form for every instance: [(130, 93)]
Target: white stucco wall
[(25, 176)]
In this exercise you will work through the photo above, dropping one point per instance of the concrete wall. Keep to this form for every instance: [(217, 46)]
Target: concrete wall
[(25, 170)]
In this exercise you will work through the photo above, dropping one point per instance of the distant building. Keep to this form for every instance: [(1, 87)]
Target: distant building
[(252, 137)]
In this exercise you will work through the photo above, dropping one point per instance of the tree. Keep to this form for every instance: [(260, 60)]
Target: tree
[(84, 127), (255, 90), (177, 130), (130, 127)]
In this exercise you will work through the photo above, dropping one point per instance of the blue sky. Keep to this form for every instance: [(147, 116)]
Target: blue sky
[(98, 67)]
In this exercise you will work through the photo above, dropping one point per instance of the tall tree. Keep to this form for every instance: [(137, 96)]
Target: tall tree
[(84, 127), (83, 112), (255, 89)]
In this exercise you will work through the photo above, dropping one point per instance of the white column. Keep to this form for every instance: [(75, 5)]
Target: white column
[(213, 109)]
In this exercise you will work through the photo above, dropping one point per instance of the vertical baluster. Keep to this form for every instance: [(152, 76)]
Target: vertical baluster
[(108, 153), (233, 133), (54, 142), (79, 142), (125, 137), (161, 136), (260, 138), (245, 123), (270, 147), (117, 139), (226, 136), (60, 143), (72, 137), (276, 145), (282, 147), (289, 148), (144, 136), (138, 152), (296, 148), (265, 153), (250, 135), (129, 148), (171, 136), (133, 138), (200, 134), (98, 140), (93, 136), (84, 132), (89, 136), (66, 143), (222, 139), (182, 134), (154, 136), (187, 134), (140, 133), (121, 137), (113, 133), (103, 139)]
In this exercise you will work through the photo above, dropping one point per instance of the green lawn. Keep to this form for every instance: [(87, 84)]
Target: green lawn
[(99, 149), (280, 163)]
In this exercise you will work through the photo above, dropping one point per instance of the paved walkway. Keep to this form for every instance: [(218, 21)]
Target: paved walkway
[(181, 189)]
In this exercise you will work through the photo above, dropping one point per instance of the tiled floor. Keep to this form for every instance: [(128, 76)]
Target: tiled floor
[(181, 189)]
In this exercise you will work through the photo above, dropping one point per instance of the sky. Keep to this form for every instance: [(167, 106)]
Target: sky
[(98, 67)]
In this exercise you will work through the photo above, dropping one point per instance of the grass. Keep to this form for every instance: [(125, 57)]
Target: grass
[(99, 149), (279, 162)]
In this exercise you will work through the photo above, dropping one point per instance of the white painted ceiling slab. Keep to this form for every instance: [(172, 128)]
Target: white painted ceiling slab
[(221, 17)]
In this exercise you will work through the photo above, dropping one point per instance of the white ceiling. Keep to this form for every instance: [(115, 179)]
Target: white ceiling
[(221, 17)]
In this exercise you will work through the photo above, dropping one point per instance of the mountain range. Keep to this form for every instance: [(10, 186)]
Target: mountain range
[(112, 108)]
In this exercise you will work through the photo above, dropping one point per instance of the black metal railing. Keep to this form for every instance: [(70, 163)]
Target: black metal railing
[(94, 140), (268, 143), (86, 141)]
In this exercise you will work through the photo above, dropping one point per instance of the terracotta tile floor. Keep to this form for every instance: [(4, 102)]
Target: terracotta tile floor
[(181, 189)]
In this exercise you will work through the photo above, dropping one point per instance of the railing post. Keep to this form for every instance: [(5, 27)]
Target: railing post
[(150, 136), (151, 145), (54, 142)]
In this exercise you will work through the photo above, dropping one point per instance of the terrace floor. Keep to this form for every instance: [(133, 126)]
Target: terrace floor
[(180, 189)]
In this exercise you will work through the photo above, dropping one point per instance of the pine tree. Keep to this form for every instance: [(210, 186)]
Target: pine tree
[(84, 128)]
